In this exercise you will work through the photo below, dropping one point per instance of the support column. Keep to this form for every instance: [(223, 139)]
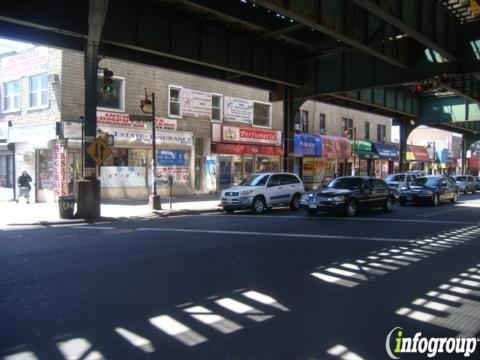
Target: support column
[(464, 155), (288, 130), (403, 146)]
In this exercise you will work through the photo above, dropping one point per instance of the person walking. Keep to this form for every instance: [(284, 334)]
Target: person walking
[(24, 186)]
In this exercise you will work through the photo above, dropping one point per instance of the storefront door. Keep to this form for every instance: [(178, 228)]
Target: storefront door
[(225, 172)]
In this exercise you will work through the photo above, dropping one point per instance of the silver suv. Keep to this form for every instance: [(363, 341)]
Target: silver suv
[(264, 190), (466, 183)]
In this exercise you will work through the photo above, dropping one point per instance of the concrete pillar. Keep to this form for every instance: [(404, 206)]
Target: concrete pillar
[(403, 146), (464, 155), (288, 130), (88, 201)]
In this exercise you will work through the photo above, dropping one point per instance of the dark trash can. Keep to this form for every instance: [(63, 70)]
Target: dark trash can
[(66, 207)]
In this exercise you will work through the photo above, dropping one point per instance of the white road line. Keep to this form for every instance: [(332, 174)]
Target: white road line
[(440, 212), (312, 218), (255, 233)]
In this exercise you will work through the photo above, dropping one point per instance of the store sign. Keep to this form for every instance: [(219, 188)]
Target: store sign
[(235, 134), (196, 104), (31, 62), (120, 119), (307, 145), (171, 158), (238, 110), (361, 145), (37, 135), (72, 130), (59, 170), (145, 136)]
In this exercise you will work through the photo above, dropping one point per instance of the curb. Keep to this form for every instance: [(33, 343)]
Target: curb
[(159, 213)]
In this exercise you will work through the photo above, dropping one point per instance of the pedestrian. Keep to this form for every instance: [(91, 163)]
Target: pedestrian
[(24, 186)]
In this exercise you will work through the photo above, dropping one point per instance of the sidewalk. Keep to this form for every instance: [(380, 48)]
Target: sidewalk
[(12, 214)]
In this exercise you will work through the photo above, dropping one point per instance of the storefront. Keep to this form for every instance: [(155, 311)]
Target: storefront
[(237, 152), (364, 157), (320, 158), (127, 173), (418, 158), (388, 159)]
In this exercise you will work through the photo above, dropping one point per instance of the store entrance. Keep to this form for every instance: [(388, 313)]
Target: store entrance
[(225, 172)]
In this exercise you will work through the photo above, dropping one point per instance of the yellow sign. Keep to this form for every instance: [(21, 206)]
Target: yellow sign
[(99, 150)]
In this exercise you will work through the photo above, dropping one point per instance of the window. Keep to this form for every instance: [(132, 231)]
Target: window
[(38, 91), (322, 124), (217, 108), (113, 100), (11, 96), (304, 121), (347, 125), (262, 114), (476, 48), (174, 101), (381, 132), (367, 130)]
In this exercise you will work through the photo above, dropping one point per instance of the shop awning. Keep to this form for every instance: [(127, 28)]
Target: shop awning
[(335, 147), (386, 151), (474, 163), (304, 144), (419, 153), (246, 149), (364, 149)]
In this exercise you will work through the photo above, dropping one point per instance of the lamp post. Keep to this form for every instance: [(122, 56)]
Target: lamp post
[(431, 145), (148, 107)]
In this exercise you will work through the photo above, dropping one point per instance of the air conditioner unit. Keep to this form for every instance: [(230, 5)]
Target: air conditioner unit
[(298, 127), (323, 131), (53, 78)]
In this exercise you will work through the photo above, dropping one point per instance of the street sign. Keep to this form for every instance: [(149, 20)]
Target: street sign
[(99, 150)]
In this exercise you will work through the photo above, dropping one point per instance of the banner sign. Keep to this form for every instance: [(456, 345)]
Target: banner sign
[(120, 119), (236, 134), (171, 158), (307, 145), (31, 62), (145, 136), (238, 110), (196, 104)]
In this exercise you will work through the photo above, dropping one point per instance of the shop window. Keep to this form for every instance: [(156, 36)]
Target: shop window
[(11, 96), (268, 163), (262, 114), (111, 100), (381, 132), (38, 91), (217, 107), (347, 126), (45, 169), (304, 121), (367, 130), (174, 101), (175, 163), (322, 124)]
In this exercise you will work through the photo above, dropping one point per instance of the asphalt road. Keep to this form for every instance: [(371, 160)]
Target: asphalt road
[(282, 285)]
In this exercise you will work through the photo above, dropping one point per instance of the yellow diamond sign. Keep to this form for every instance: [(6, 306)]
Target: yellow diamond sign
[(99, 150)]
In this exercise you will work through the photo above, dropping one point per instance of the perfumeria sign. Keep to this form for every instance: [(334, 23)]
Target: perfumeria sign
[(397, 344)]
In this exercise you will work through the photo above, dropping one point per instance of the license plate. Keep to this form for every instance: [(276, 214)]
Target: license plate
[(312, 206), (409, 198)]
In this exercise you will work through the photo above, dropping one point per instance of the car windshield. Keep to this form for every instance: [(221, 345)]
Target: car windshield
[(255, 180), (399, 177), (345, 183), (426, 181), (460, 178)]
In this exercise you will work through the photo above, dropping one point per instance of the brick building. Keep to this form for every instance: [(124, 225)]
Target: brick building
[(210, 133)]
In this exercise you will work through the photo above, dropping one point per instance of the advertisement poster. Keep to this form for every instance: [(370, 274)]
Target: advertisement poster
[(196, 104), (181, 175), (238, 110), (171, 158)]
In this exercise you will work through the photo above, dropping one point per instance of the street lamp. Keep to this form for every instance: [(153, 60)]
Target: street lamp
[(431, 145), (148, 107)]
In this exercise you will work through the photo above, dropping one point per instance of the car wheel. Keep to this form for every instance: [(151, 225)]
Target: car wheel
[(351, 209), (230, 211), (455, 197), (258, 205), (473, 191), (435, 200), (295, 203), (388, 205), (465, 192)]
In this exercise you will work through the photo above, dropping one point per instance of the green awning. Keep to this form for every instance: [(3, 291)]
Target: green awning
[(362, 154)]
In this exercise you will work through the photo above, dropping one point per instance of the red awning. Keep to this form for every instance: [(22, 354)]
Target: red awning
[(420, 153), (474, 163), (246, 149), (335, 147)]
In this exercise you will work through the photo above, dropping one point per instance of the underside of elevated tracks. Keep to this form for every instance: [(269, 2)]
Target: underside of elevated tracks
[(416, 61)]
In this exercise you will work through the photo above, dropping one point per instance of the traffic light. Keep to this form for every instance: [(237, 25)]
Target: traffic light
[(107, 81), (419, 88)]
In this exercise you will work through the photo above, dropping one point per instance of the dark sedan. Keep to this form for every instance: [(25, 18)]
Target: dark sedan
[(348, 194), (430, 189)]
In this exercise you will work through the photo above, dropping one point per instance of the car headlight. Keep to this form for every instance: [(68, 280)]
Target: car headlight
[(246, 192), (336, 198)]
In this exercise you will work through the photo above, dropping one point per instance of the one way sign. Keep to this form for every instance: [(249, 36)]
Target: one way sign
[(99, 150)]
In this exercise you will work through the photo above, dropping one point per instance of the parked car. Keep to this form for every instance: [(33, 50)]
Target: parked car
[(432, 189), (347, 194), (477, 183), (400, 180), (264, 190), (417, 173), (466, 183)]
